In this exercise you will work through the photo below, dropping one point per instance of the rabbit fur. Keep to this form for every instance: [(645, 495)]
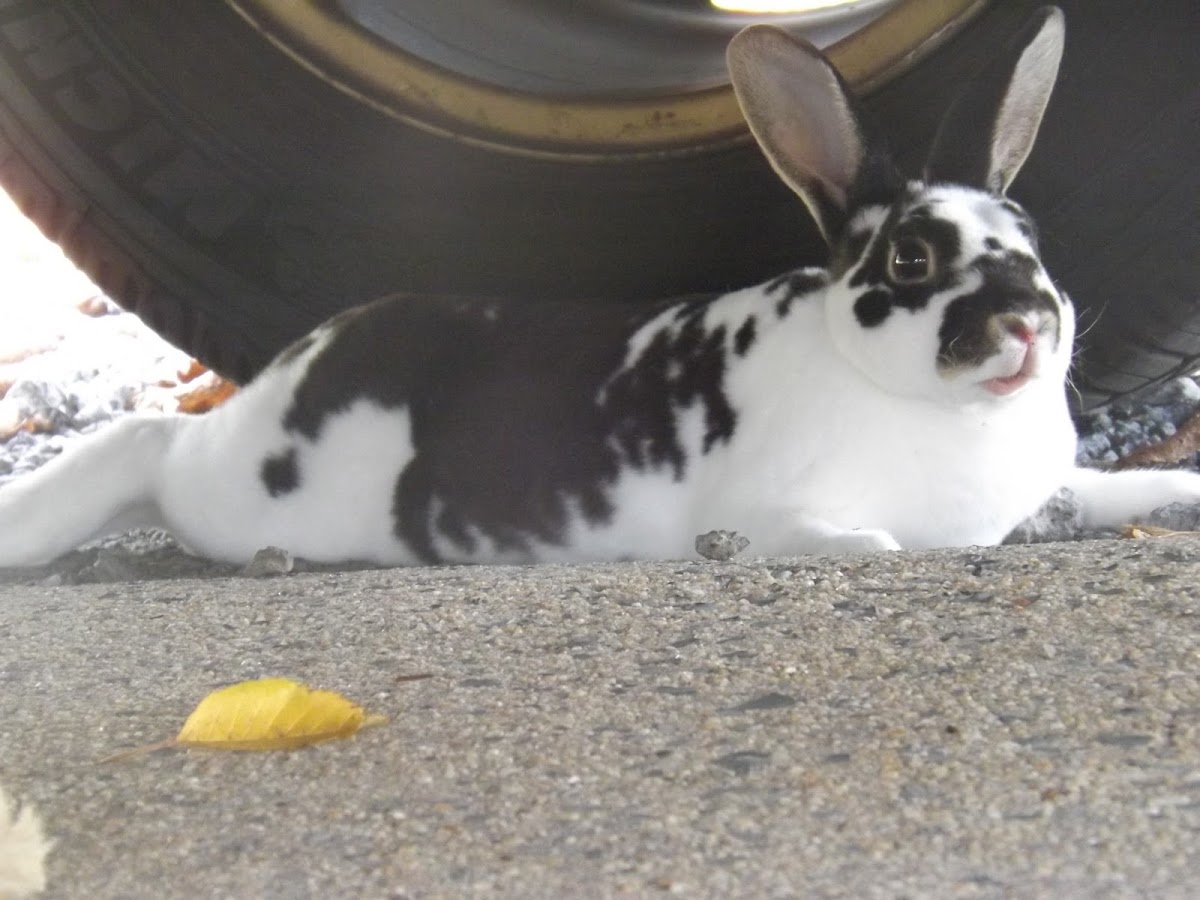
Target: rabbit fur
[(910, 395)]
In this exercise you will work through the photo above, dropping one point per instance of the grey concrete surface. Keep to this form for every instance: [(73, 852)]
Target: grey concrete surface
[(1001, 722)]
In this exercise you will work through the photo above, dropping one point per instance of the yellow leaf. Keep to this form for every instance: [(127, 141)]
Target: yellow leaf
[(1139, 532), (271, 714)]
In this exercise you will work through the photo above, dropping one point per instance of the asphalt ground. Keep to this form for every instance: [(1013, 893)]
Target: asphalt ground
[(996, 722)]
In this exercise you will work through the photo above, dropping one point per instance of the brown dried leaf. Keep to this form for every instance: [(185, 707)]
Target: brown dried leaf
[(203, 397), (194, 370), (1141, 532), (1184, 443), (12, 425)]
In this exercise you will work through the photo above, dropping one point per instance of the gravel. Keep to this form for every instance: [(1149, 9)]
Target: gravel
[(75, 373), (1112, 432)]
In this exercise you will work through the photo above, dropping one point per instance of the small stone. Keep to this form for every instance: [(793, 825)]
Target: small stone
[(720, 545), (1094, 449), (1176, 517), (269, 561), (1060, 519)]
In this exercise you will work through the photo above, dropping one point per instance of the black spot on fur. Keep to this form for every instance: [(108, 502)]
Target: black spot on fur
[(992, 243), (681, 365), (918, 222), (745, 336), (857, 243), (501, 400), (411, 504), (510, 440), (795, 285), (966, 336), (451, 524), (873, 307), (279, 473), (947, 245)]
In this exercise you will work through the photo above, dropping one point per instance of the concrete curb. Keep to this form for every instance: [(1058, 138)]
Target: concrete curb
[(993, 722)]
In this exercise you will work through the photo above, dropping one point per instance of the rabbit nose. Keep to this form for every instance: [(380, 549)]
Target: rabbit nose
[(1023, 328)]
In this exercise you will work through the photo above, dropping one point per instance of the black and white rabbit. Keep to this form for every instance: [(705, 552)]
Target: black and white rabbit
[(910, 395)]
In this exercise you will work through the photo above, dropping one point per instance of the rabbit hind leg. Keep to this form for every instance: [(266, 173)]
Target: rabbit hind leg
[(103, 483)]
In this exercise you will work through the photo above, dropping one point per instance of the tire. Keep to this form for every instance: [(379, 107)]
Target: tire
[(234, 196)]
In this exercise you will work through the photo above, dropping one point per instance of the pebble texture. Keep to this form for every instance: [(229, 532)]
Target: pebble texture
[(1012, 721), (1115, 431)]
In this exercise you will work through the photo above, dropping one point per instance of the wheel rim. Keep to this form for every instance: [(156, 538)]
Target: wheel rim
[(540, 113)]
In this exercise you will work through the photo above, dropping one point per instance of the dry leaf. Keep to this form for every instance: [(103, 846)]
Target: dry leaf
[(202, 396), (1184, 443), (271, 714), (12, 424), (1138, 532), (194, 370), (268, 714)]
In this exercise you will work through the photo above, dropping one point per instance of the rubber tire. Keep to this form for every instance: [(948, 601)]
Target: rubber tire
[(234, 200)]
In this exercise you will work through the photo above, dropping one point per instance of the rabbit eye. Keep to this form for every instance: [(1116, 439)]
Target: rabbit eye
[(911, 261)]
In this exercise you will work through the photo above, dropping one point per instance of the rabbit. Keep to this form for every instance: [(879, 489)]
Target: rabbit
[(909, 395)]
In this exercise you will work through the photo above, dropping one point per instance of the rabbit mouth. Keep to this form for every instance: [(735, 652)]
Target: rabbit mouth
[(1005, 385)]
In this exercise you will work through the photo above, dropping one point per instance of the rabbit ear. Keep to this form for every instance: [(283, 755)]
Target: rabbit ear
[(798, 110), (989, 130)]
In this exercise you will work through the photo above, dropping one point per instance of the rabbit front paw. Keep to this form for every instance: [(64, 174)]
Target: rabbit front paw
[(862, 540), (1113, 499), (787, 532)]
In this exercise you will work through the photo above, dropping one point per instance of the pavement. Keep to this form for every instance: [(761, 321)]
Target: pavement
[(996, 722)]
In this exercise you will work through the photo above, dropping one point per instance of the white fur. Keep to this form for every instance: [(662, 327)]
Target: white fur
[(1108, 499), (211, 495)]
